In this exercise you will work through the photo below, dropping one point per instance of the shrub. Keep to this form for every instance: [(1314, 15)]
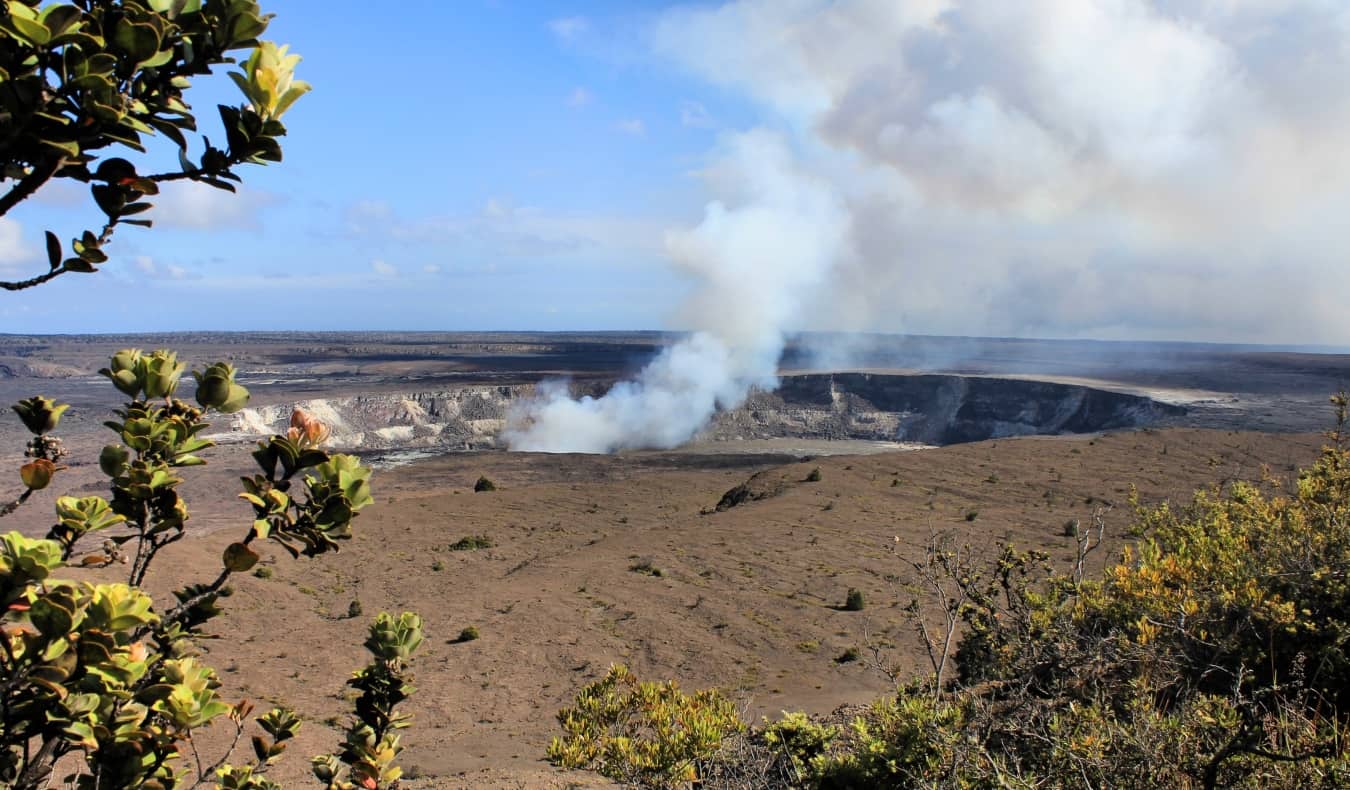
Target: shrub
[(853, 602), (971, 515), (468, 634), (372, 744), (1212, 654), (813, 476), (646, 568), (848, 656), (471, 543), (804, 742), (648, 734), (484, 484), (93, 674), (262, 572), (354, 609)]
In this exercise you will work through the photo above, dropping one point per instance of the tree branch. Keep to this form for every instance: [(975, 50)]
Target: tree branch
[(30, 183)]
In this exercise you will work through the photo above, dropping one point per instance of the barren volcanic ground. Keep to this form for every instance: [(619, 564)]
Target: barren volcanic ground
[(747, 596)]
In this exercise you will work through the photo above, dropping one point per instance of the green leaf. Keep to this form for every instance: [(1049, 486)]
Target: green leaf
[(60, 19), (110, 199), (67, 147), (94, 255), (53, 250), (29, 31), (79, 265), (139, 41)]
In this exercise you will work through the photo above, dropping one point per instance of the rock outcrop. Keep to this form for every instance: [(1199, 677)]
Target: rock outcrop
[(931, 409)]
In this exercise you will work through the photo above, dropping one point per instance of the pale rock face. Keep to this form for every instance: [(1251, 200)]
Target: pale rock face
[(927, 409)]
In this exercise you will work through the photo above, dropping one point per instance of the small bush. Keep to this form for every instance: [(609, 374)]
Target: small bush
[(468, 634), (813, 476), (848, 656), (438, 566), (647, 734), (471, 543), (971, 515), (805, 743), (646, 568), (854, 601), (262, 572), (484, 484), (354, 609)]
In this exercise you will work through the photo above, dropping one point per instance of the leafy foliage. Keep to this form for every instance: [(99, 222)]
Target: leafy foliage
[(78, 79), (651, 734), (94, 675), (1211, 654), (372, 742)]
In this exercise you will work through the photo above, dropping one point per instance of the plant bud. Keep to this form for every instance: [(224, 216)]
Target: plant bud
[(125, 371), (213, 391), (40, 415), (162, 371), (113, 460)]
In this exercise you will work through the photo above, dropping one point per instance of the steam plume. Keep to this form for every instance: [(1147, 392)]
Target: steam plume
[(757, 256)]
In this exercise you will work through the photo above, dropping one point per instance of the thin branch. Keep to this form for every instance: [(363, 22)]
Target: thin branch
[(30, 183), (13, 505)]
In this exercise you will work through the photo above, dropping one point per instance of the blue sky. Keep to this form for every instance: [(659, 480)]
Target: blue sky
[(1110, 169), (468, 165)]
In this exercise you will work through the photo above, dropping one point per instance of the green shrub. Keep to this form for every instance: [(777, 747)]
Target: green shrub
[(648, 734), (262, 572), (971, 515), (94, 675), (854, 602), (849, 655), (805, 743), (467, 634), (813, 476), (909, 740), (484, 484), (354, 609), (471, 543), (1212, 654)]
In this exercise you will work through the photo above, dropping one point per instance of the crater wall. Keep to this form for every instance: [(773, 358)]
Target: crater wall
[(931, 409)]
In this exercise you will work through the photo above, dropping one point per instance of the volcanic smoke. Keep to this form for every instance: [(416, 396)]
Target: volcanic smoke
[(757, 255)]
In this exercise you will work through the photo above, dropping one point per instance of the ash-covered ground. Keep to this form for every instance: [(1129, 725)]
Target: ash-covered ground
[(749, 592)]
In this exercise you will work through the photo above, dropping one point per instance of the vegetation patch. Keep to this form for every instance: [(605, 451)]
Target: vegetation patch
[(471, 543)]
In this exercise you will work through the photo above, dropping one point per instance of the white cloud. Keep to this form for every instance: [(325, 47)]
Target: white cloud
[(383, 268), (14, 248), (1098, 167), (579, 97), (188, 204), (152, 268), (569, 28), (633, 126), (432, 268)]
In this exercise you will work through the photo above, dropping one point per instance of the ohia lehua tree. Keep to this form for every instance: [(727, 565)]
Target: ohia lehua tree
[(84, 85), (100, 686)]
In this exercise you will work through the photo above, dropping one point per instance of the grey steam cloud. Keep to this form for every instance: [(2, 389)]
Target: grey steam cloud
[(1139, 169)]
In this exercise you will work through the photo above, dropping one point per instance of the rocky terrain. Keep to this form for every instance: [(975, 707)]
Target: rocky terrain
[(748, 594)]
